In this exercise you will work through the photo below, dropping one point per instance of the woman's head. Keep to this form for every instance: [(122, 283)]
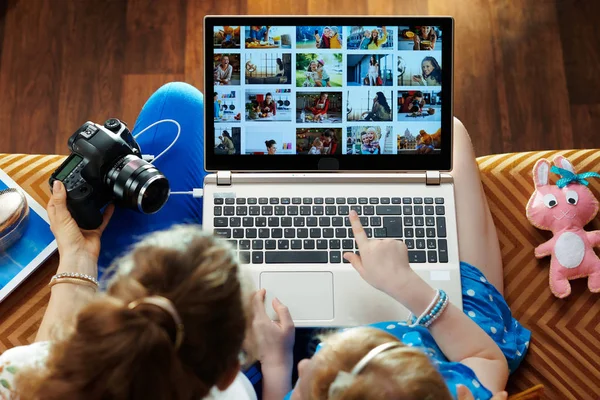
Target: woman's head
[(271, 148), (226, 134), (122, 353), (373, 61), (380, 98), (369, 135), (397, 373), (215, 96), (268, 98), (225, 60), (426, 31), (323, 96), (279, 62), (332, 31), (430, 67)]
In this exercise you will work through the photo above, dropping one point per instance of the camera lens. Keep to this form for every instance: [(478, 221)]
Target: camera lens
[(137, 184)]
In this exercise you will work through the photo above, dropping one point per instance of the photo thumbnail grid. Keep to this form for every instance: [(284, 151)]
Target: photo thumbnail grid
[(327, 90)]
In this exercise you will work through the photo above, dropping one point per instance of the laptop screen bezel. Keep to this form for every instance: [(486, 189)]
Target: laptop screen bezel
[(343, 162)]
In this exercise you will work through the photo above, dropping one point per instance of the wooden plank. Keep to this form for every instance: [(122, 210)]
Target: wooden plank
[(477, 80), (534, 74), (92, 66), (3, 11), (30, 77), (276, 7), (580, 38), (586, 126), (155, 37), (321, 7), (137, 89)]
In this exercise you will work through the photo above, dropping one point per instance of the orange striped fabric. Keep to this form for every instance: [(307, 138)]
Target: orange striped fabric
[(563, 354)]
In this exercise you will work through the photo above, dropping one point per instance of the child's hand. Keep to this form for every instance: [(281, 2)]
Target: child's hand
[(382, 263), (274, 339), (463, 393)]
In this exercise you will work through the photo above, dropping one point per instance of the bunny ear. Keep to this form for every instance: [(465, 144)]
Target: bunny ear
[(541, 169), (563, 163)]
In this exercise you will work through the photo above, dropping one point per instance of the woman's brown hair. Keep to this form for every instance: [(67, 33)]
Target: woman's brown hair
[(396, 374), (118, 353)]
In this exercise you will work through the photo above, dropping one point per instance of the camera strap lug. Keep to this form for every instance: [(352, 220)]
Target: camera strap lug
[(433, 178), (223, 178)]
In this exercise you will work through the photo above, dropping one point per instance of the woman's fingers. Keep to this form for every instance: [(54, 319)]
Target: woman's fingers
[(59, 202), (108, 212)]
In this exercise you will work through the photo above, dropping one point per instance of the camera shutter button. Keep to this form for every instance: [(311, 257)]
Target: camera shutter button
[(113, 124)]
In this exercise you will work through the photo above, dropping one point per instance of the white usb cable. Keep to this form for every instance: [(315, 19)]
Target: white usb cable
[(196, 192)]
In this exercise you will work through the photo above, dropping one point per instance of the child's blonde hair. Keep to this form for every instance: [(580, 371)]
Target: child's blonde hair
[(398, 373)]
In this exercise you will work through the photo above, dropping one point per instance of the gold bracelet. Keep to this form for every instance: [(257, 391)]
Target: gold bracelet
[(73, 280)]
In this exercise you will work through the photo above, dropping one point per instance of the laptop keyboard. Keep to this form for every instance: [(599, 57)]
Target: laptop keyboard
[(274, 230)]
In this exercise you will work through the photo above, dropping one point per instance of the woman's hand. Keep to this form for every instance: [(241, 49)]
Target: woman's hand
[(419, 79), (274, 340), (417, 40), (73, 242), (382, 263)]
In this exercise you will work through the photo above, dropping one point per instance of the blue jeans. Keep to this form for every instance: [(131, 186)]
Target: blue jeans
[(183, 165)]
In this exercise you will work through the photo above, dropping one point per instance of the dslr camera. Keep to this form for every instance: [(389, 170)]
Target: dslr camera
[(105, 165)]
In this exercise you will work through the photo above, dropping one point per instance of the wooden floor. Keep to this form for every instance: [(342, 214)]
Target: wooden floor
[(526, 71)]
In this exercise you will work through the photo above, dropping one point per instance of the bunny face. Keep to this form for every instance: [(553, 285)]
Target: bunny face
[(553, 208)]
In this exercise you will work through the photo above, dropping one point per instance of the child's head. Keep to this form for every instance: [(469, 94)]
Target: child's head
[(117, 350), (396, 373), (317, 143), (255, 105), (313, 65), (367, 34)]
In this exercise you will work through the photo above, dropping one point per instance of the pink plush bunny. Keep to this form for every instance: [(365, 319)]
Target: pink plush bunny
[(564, 209)]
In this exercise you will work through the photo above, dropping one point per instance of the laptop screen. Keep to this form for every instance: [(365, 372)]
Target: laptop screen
[(328, 93)]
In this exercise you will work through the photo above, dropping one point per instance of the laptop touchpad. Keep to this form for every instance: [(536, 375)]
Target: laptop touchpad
[(308, 295)]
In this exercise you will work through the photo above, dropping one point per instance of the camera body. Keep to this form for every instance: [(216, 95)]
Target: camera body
[(105, 165)]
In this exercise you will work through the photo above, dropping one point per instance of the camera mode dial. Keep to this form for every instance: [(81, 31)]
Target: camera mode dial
[(112, 124)]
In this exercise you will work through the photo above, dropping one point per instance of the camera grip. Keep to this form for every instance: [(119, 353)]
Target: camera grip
[(84, 212)]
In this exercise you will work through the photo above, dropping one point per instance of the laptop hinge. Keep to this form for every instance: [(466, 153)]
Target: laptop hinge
[(223, 178), (432, 177)]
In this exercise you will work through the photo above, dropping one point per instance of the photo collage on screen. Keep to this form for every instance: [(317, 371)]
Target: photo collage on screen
[(327, 90)]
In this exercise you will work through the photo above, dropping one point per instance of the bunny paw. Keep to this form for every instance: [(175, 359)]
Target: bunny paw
[(561, 288), (594, 282)]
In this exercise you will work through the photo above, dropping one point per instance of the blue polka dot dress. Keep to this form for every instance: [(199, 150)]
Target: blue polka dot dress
[(486, 306)]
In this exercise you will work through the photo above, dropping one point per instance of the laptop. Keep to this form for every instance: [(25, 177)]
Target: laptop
[(313, 117)]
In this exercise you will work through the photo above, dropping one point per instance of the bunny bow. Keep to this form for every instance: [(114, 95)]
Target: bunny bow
[(571, 177)]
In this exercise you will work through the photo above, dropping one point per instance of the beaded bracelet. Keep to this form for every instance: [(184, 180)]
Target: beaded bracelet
[(432, 312), (74, 277)]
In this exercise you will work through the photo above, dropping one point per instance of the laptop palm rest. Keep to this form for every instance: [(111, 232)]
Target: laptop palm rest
[(308, 295)]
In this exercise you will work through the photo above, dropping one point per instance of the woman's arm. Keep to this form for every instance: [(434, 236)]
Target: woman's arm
[(384, 265), (228, 74), (79, 252)]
